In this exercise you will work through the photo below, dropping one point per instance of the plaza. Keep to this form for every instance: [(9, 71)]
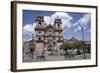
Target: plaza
[(57, 58)]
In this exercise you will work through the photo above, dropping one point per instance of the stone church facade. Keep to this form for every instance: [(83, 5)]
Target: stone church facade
[(48, 37)]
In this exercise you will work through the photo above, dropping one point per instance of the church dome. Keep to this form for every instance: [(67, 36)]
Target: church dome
[(49, 26)]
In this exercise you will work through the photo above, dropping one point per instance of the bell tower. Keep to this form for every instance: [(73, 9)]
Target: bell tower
[(57, 23), (39, 33), (58, 31), (39, 21)]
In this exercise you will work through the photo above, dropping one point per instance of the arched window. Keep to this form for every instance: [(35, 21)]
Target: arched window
[(58, 25), (59, 32), (39, 32), (39, 38), (59, 39), (39, 23)]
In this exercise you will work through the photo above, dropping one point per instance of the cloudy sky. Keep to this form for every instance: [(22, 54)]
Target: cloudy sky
[(71, 23)]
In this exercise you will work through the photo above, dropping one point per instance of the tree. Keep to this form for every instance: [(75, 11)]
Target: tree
[(88, 48), (64, 47), (78, 46), (31, 52)]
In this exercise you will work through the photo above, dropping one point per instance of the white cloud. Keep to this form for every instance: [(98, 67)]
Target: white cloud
[(28, 29), (85, 20), (77, 29), (76, 23), (82, 22), (61, 15), (67, 24), (47, 19), (27, 36), (65, 18), (33, 26)]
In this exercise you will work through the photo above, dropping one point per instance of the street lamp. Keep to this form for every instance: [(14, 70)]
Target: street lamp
[(83, 43)]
